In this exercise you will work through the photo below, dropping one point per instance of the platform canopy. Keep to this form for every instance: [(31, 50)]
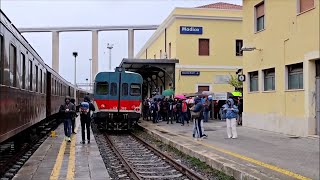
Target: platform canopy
[(158, 74)]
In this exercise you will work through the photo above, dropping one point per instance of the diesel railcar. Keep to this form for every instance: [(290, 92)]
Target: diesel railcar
[(117, 99), (30, 91)]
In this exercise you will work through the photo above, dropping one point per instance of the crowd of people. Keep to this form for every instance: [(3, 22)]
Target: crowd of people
[(196, 110)]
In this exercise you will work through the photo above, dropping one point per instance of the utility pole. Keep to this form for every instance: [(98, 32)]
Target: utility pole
[(90, 80), (109, 46), (75, 54)]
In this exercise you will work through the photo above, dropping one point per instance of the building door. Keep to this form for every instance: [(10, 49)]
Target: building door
[(203, 88), (318, 97)]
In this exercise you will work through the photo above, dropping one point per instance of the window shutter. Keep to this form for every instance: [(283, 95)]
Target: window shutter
[(260, 10), (306, 5)]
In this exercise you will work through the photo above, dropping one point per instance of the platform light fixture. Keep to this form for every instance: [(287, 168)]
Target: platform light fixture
[(75, 54)]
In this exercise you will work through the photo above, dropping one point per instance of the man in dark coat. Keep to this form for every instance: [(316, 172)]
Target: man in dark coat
[(67, 111)]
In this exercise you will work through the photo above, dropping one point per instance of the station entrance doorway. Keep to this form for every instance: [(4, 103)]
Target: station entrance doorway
[(318, 97), (158, 74)]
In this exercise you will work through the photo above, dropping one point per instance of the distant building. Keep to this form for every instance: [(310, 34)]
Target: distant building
[(280, 90), (206, 40)]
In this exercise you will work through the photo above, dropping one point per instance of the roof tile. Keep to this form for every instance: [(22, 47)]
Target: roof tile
[(222, 5)]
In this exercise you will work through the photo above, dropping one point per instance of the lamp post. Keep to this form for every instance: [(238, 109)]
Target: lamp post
[(87, 82), (75, 54), (90, 60), (109, 46)]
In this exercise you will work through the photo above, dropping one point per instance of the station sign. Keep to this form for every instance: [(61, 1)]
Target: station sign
[(190, 73), (190, 30)]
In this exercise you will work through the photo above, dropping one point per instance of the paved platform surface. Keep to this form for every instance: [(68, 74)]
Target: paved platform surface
[(256, 154), (58, 159)]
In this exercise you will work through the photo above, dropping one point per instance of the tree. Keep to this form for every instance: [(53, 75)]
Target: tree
[(233, 81)]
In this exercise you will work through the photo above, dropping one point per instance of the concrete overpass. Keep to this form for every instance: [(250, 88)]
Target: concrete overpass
[(95, 30)]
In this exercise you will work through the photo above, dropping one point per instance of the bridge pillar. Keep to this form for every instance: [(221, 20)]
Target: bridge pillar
[(55, 51), (94, 54), (130, 43)]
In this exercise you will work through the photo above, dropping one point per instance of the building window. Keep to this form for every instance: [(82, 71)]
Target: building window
[(203, 47), (169, 50), (295, 76), (269, 79), (254, 76), (239, 44), (259, 9), (23, 79), (318, 68), (305, 5), (203, 88)]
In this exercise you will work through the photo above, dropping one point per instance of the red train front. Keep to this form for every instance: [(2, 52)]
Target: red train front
[(117, 99)]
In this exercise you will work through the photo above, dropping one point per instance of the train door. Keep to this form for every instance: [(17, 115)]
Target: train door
[(318, 97), (114, 81), (124, 92)]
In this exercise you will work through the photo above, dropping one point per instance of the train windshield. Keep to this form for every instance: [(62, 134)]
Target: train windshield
[(135, 90), (102, 88)]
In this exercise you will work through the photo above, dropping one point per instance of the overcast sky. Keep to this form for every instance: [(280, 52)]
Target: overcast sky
[(39, 13)]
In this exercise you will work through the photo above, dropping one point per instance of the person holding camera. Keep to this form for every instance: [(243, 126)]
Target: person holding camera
[(67, 111)]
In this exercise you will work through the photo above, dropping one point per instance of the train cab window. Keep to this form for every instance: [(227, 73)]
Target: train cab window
[(13, 64), (102, 88), (23, 68), (30, 75), (113, 90), (124, 89), (135, 90), (37, 80)]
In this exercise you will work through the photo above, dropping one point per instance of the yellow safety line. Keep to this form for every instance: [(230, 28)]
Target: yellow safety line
[(57, 166), (268, 166), (71, 163)]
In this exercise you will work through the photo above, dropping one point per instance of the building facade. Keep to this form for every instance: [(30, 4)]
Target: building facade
[(207, 42), (282, 66)]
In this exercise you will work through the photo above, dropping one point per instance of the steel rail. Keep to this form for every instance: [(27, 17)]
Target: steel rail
[(182, 168), (129, 168)]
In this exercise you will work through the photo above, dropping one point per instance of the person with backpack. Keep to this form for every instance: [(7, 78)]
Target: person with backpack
[(67, 111), (73, 120), (231, 113), (154, 109), (85, 117)]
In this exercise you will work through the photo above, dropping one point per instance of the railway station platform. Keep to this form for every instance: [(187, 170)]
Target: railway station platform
[(255, 154), (59, 159)]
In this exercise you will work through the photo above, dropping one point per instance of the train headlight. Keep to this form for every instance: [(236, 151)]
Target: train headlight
[(103, 106), (133, 106)]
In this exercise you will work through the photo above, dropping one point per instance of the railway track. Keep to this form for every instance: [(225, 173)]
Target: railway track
[(11, 159), (129, 157)]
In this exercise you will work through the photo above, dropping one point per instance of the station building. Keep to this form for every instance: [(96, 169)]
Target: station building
[(282, 66), (207, 42)]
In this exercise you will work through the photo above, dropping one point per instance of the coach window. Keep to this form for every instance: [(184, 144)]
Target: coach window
[(102, 88), (13, 64), (124, 89), (113, 90), (135, 90), (23, 61), (37, 80), (30, 75), (40, 85), (1, 62)]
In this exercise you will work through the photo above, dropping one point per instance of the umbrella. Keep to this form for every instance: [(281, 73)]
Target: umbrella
[(168, 92), (158, 97), (236, 93), (180, 96)]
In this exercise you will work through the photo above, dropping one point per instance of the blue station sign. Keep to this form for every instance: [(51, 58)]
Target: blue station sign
[(190, 30), (190, 73)]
